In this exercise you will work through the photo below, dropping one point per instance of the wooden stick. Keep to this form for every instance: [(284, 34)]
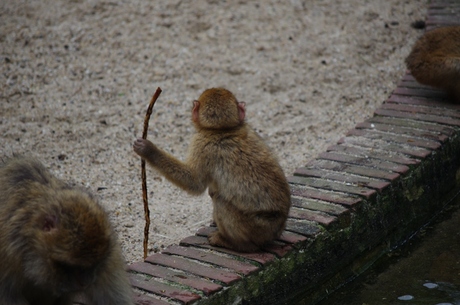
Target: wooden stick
[(144, 176)]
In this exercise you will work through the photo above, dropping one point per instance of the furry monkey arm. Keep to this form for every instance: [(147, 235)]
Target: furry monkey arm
[(181, 174)]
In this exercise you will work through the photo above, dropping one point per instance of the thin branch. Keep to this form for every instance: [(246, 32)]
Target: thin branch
[(144, 176)]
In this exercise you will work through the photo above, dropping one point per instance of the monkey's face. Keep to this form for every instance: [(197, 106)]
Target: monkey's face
[(73, 278)]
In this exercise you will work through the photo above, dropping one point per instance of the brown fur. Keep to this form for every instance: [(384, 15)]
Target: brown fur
[(250, 194), (435, 60), (55, 241)]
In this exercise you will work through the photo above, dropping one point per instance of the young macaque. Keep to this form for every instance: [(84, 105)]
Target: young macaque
[(55, 242), (435, 60), (250, 194)]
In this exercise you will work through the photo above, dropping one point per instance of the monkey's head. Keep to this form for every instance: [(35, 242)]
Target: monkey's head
[(72, 241), (217, 108)]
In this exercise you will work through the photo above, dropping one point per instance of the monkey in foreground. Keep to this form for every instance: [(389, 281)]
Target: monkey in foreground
[(250, 193), (55, 241), (435, 60)]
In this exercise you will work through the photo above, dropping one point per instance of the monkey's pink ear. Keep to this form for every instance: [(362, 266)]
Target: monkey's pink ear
[(195, 110), (241, 110), (49, 223)]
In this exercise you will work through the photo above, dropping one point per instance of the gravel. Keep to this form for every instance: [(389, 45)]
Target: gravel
[(76, 78)]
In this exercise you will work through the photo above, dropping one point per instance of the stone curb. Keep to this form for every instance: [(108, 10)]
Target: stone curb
[(353, 203)]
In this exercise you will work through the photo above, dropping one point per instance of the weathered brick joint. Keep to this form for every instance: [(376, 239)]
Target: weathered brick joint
[(383, 180)]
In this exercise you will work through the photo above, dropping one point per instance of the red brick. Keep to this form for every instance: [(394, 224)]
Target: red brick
[(385, 145), (408, 77), (437, 10), (332, 185), (436, 94), (318, 205), (292, 238), (303, 227), (140, 299), (162, 289), (373, 153), (352, 169), (422, 109), (411, 141), (200, 241), (342, 177), (321, 218), (425, 134), (204, 285), (363, 161), (212, 258), (421, 101), (442, 20), (193, 267), (432, 127), (418, 116), (430, 27), (205, 231), (279, 249), (403, 83), (443, 4), (334, 197)]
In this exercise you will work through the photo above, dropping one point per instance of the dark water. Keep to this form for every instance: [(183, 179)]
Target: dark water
[(424, 271)]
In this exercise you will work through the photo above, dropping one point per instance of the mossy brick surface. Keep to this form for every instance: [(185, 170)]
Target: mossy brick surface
[(418, 116), (183, 278), (347, 168), (332, 185), (376, 154), (421, 101), (322, 206), (202, 242), (383, 145), (364, 160), (441, 20), (366, 194), (398, 138), (441, 111), (212, 258), (191, 266), (169, 291), (426, 93), (324, 195), (415, 133), (143, 299), (417, 125)]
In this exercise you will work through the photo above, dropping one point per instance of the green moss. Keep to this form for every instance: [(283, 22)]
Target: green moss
[(413, 193), (457, 177)]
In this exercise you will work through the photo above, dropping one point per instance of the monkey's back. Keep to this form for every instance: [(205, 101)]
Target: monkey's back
[(245, 171), (435, 58)]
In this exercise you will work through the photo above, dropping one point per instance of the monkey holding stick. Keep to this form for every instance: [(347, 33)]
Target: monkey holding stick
[(435, 60), (55, 242), (250, 193)]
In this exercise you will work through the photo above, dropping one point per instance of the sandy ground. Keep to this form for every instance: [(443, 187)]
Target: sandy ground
[(76, 78)]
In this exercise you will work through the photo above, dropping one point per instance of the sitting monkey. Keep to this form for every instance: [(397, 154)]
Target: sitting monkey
[(250, 193)]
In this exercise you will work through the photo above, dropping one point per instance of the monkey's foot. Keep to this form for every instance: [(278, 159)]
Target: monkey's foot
[(218, 240), (215, 239)]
